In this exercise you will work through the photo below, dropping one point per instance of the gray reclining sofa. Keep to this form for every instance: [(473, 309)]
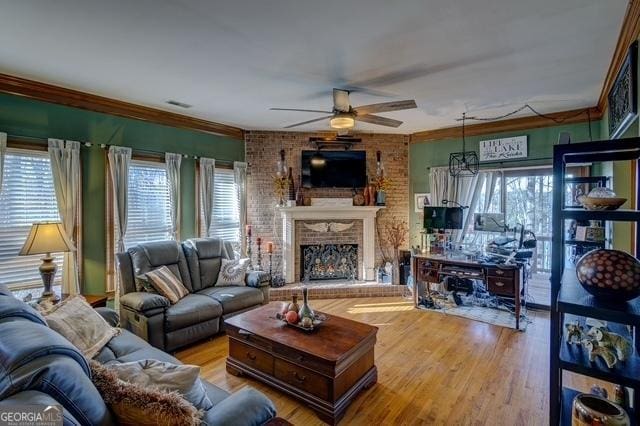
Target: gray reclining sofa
[(201, 313)]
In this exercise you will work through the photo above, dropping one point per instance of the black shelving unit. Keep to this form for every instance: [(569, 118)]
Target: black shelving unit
[(569, 301)]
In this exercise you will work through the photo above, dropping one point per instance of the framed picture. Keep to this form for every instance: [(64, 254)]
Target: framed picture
[(623, 96), (422, 200), (575, 187)]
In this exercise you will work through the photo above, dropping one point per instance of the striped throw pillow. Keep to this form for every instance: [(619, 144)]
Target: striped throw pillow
[(167, 284)]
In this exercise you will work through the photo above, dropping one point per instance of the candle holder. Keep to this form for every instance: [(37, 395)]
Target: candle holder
[(270, 268), (259, 257), (250, 265)]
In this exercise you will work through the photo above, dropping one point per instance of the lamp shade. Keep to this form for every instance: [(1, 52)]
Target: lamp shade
[(46, 237)]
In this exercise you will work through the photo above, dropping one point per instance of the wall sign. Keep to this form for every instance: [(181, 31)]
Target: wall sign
[(503, 149)]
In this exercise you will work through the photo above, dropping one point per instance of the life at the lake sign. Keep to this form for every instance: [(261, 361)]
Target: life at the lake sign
[(503, 149)]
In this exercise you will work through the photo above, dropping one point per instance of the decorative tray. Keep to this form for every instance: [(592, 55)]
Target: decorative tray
[(317, 321)]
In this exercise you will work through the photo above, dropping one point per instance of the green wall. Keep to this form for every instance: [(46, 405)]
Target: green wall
[(423, 155), (622, 179), (25, 117)]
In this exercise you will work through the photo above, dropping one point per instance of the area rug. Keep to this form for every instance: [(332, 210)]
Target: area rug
[(500, 316)]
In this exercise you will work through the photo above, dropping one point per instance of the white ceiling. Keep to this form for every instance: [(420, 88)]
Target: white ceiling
[(233, 60)]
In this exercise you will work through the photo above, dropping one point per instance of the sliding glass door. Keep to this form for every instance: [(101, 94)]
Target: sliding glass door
[(528, 198)]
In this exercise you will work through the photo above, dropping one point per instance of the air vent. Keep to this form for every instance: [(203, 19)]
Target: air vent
[(179, 104)]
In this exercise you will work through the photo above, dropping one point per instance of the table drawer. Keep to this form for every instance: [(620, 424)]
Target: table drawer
[(501, 286), (501, 273), (299, 358), (302, 378), (251, 356), (248, 337)]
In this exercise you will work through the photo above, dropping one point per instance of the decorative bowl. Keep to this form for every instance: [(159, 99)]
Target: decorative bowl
[(318, 319), (609, 274), (595, 410), (599, 203)]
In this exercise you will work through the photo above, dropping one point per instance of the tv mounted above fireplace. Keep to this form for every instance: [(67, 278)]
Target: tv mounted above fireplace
[(334, 169)]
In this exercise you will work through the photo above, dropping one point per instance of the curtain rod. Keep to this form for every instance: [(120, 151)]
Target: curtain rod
[(44, 141)]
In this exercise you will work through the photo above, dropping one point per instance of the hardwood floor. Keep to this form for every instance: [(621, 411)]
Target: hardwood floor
[(432, 369)]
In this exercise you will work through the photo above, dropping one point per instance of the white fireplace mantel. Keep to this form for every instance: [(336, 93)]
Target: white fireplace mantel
[(291, 214)]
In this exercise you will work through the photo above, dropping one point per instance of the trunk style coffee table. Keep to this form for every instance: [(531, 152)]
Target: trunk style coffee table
[(325, 368)]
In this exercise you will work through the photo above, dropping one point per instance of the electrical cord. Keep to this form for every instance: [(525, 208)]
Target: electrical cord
[(536, 112)]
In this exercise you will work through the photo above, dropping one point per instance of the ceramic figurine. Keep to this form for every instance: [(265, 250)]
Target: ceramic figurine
[(293, 306), (606, 354), (621, 396), (574, 332), (600, 391), (613, 341)]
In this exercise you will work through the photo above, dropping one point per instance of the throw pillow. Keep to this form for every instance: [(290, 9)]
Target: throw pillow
[(80, 324), (167, 284), (135, 404), (232, 272), (185, 379)]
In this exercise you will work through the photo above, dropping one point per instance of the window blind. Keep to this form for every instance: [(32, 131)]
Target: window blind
[(149, 214), (27, 196), (225, 223)]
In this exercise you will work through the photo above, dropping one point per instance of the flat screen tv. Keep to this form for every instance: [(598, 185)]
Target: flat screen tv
[(334, 169)]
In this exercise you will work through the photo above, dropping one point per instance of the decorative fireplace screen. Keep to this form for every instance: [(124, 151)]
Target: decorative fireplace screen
[(329, 262)]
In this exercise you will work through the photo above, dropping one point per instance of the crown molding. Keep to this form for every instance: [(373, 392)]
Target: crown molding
[(59, 95), (629, 33), (512, 125)]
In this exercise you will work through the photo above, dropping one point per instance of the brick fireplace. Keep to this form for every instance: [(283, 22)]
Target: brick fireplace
[(322, 225)]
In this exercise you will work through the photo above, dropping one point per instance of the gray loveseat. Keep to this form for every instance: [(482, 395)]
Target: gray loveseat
[(201, 313), (39, 366)]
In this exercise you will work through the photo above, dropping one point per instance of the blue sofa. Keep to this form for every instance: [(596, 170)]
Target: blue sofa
[(39, 366)]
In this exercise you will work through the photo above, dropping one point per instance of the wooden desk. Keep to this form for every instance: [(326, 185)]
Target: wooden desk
[(325, 369), (501, 280)]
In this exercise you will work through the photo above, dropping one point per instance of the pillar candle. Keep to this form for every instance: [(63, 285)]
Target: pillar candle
[(269, 247), (259, 241)]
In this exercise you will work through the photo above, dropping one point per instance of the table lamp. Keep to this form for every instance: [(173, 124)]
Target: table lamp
[(46, 238)]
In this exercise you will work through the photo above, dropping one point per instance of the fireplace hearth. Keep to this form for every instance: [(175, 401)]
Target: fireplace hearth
[(329, 262)]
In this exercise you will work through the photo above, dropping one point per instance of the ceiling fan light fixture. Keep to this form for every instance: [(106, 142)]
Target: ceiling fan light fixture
[(342, 121)]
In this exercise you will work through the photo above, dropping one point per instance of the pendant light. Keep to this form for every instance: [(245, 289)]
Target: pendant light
[(463, 163)]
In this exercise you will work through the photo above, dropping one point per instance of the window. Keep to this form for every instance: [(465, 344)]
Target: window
[(27, 196), (225, 221), (149, 215)]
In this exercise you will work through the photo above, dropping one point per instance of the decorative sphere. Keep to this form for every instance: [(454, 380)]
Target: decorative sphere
[(307, 322), (609, 274), (292, 317)]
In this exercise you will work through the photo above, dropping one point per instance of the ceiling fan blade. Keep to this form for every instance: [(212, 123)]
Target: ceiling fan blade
[(301, 110), (386, 106), (308, 121), (341, 100), (376, 119)]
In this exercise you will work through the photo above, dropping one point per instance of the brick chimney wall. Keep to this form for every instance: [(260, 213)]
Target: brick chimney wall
[(263, 151)]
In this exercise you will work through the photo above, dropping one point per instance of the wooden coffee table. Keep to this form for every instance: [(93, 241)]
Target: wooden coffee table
[(325, 369)]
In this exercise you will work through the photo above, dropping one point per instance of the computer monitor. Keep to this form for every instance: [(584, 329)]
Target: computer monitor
[(434, 217), (443, 217), (489, 222), (453, 217)]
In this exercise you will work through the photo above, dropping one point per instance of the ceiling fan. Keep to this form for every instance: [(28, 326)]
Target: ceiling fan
[(344, 116)]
